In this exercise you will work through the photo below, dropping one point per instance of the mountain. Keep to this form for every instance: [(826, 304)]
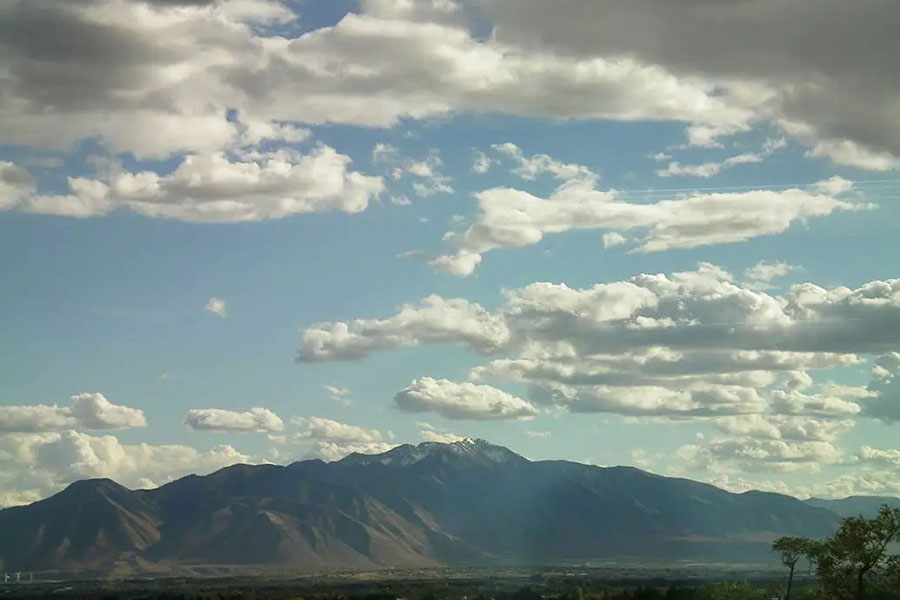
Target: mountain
[(469, 502), (867, 506)]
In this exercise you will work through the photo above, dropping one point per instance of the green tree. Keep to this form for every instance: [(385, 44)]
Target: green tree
[(791, 549), (854, 564)]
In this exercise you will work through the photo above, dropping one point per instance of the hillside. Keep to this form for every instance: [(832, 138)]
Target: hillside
[(470, 502)]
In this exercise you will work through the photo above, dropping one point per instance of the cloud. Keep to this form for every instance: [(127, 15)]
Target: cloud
[(688, 345), (779, 427), (886, 458), (138, 92), (540, 434), (530, 167), (87, 411), (763, 272), (696, 311), (114, 74), (435, 320), (16, 184), (709, 169), (755, 455), (797, 403), (338, 393), (613, 239), (214, 188), (462, 400), (700, 400), (481, 162), (511, 218), (428, 180), (884, 388), (333, 440), (790, 72), (260, 420), (217, 307), (430, 433), (41, 464)]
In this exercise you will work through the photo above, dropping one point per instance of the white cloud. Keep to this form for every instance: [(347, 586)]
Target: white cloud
[(763, 272), (613, 239), (511, 218), (779, 427), (690, 345), (462, 400), (885, 458), (338, 393), (797, 403), (332, 440), (214, 188), (426, 175), (699, 400), (87, 411), (530, 167), (129, 85), (436, 320), (41, 464), (884, 388), (754, 455), (430, 433), (217, 307), (710, 169), (481, 163), (257, 419)]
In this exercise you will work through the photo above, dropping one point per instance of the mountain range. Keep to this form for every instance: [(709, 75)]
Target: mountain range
[(464, 503)]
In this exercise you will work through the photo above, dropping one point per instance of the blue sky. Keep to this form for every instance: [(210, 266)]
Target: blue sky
[(188, 235)]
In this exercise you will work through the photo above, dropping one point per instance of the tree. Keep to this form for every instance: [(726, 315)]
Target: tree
[(853, 564), (792, 549)]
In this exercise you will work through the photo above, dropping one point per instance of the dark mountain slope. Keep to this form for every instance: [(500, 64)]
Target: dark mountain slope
[(465, 503), (89, 524)]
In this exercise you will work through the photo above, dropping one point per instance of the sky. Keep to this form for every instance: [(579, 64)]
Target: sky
[(649, 233)]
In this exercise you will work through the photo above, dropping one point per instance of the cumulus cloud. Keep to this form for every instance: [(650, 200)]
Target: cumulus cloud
[(41, 464), (613, 239), (763, 272), (261, 420), (780, 427), (332, 440), (430, 433), (530, 167), (699, 400), (434, 321), (814, 88), (426, 175), (215, 188), (754, 455), (115, 74), (217, 307), (511, 218), (139, 92), (696, 345), (462, 400), (86, 411)]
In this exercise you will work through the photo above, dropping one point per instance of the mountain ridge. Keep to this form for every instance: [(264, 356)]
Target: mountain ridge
[(432, 504)]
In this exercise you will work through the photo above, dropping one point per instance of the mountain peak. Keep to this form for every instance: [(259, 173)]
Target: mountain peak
[(470, 449)]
